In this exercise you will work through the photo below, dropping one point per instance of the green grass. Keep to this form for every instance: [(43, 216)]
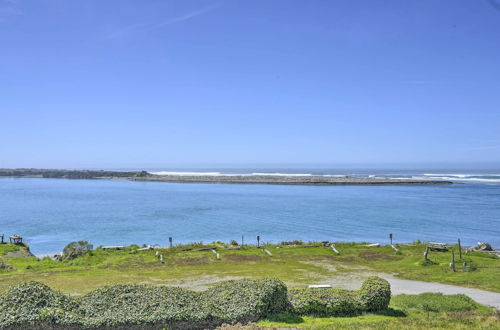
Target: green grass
[(295, 265), (424, 311)]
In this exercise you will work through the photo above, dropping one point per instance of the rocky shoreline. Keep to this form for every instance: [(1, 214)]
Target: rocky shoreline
[(230, 179)]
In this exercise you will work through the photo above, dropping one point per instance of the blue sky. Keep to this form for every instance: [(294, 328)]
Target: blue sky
[(170, 83)]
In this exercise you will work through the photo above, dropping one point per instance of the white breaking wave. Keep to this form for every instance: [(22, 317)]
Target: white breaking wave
[(485, 178), (335, 175), (227, 174), (189, 173), (462, 177), (284, 174)]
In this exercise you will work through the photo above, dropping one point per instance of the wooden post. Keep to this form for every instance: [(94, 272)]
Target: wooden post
[(452, 263), (1, 237), (464, 266), (161, 258), (258, 241), (242, 240), (426, 253), (460, 249), (217, 255), (390, 237), (170, 241)]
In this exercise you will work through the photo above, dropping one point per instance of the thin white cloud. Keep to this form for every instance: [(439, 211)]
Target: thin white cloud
[(152, 26), (418, 82), (185, 17), (124, 30)]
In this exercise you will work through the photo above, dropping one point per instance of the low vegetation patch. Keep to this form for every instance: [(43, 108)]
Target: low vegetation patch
[(246, 300), (289, 262), (374, 295), (34, 304), (437, 303), (325, 302), (147, 305)]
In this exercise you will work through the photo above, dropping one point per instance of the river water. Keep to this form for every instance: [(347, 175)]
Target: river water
[(49, 213)]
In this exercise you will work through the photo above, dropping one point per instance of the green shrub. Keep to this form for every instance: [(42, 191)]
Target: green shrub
[(76, 249), (141, 304), (34, 302), (246, 300), (375, 294), (324, 302)]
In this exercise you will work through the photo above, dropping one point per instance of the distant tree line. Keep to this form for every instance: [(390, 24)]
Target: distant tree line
[(71, 174)]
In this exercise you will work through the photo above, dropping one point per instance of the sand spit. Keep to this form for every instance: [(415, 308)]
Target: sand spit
[(287, 180), (258, 178)]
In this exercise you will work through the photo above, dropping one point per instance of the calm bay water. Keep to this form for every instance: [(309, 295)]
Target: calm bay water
[(49, 213)]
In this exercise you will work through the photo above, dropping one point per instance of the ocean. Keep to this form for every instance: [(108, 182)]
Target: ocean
[(49, 213)]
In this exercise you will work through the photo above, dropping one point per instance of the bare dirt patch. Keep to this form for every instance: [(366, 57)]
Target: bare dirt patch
[(193, 261), (376, 255), (18, 254), (244, 258)]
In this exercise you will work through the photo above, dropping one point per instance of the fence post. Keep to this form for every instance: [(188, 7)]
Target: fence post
[(390, 237), (452, 263), (170, 241), (258, 241), (460, 249)]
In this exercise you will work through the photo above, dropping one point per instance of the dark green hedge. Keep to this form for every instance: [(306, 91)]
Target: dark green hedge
[(141, 304), (246, 300), (324, 302), (36, 306), (35, 302), (374, 295)]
